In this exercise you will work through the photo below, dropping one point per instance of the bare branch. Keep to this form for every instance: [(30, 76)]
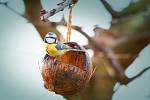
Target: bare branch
[(63, 22), (128, 80), (34, 17), (61, 6), (132, 9), (138, 75), (145, 14), (79, 29)]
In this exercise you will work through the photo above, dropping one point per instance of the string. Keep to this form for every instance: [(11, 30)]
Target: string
[(69, 24)]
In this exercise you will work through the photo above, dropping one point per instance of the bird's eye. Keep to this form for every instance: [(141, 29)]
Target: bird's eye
[(50, 40)]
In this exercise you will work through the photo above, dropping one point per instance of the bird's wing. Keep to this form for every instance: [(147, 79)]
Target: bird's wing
[(60, 46)]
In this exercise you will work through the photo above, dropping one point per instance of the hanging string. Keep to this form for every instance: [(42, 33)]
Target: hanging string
[(69, 24)]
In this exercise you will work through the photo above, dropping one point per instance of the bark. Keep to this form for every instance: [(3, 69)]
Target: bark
[(32, 13)]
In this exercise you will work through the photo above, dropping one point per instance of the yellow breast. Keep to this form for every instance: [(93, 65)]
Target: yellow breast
[(52, 51)]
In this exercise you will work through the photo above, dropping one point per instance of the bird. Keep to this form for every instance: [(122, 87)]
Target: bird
[(53, 46)]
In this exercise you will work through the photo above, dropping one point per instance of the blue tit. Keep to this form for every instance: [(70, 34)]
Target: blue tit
[(52, 46)]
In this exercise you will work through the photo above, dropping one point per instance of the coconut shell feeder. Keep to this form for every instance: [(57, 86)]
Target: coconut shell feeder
[(69, 73)]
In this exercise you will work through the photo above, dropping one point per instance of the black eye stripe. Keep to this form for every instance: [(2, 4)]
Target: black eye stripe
[(50, 37)]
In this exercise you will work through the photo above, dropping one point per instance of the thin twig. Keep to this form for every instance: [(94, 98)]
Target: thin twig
[(138, 75), (61, 6), (133, 8)]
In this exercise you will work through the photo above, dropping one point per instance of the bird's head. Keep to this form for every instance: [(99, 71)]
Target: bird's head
[(50, 38)]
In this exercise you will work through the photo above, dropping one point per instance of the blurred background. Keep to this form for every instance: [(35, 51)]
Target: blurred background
[(118, 31)]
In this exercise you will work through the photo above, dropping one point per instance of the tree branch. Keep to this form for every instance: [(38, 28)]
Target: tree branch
[(33, 16), (61, 6), (132, 9), (128, 80)]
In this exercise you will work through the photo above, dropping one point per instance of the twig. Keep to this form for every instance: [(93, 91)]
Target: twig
[(134, 8), (61, 6), (138, 75), (145, 13)]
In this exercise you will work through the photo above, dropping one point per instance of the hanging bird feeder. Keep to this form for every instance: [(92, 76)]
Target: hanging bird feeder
[(68, 73)]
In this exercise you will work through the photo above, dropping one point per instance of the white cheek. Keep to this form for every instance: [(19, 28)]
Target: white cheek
[(50, 40)]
